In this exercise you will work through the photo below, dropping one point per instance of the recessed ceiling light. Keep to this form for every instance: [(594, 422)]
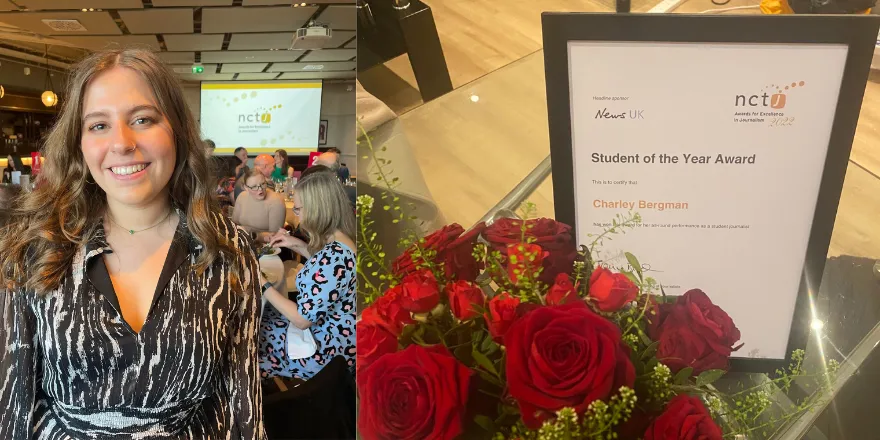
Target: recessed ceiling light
[(85, 10), (475, 98), (302, 4), (91, 9)]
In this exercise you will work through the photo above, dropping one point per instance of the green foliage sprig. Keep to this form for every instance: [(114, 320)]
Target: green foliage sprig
[(597, 423)]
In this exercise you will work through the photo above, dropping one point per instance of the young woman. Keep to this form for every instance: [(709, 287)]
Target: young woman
[(259, 210), (131, 304), (282, 170), (13, 163), (326, 284)]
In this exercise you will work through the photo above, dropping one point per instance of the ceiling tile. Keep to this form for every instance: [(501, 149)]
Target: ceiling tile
[(318, 75), (329, 55), (113, 41), (178, 3), (159, 21), (80, 4), (271, 19), (96, 23), (338, 38), (207, 77), (251, 56), (177, 57), (197, 42), (6, 6), (325, 67), (339, 17), (353, 44), (236, 68), (255, 76), (278, 40)]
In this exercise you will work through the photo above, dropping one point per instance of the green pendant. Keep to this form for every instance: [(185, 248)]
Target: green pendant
[(130, 232)]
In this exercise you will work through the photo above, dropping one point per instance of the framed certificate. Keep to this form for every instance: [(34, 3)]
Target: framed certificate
[(729, 135)]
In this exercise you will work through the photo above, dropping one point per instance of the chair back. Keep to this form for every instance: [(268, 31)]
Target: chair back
[(321, 408)]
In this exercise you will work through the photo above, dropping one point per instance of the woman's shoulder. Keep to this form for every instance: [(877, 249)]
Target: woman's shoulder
[(337, 249)]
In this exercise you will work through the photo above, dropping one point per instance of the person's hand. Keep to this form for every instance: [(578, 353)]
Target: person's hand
[(284, 240)]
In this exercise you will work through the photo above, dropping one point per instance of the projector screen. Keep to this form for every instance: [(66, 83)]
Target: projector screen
[(261, 116)]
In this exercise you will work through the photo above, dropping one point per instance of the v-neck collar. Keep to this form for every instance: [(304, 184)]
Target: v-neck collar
[(183, 245)]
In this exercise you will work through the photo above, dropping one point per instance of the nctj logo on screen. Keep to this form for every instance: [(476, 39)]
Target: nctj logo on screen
[(261, 115), (776, 100)]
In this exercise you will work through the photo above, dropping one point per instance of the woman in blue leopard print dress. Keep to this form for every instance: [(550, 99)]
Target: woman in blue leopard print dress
[(326, 284)]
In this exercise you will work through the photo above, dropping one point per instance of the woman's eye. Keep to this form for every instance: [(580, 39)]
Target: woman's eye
[(98, 126), (143, 120)]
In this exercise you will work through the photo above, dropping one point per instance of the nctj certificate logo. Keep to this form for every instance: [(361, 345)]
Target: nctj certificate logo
[(750, 108)]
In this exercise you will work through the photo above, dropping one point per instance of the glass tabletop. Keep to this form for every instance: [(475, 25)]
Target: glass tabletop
[(475, 144)]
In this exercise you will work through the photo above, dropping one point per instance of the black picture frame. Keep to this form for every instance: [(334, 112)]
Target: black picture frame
[(858, 32), (322, 132)]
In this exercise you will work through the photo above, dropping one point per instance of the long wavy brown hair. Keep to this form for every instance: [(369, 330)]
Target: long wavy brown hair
[(48, 225)]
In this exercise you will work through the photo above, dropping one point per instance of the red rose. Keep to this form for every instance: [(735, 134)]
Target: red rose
[(502, 313), (696, 333), (459, 260), (420, 292), (554, 237), (562, 291), (523, 260), (389, 312), (417, 393), (564, 356), (710, 320), (373, 341), (463, 297), (452, 248), (685, 418), (611, 291)]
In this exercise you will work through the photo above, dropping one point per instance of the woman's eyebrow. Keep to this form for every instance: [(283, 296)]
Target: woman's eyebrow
[(135, 109)]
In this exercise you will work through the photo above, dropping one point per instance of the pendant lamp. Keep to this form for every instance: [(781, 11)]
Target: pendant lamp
[(49, 98)]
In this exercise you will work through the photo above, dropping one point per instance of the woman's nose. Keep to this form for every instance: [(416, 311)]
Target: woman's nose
[(123, 141)]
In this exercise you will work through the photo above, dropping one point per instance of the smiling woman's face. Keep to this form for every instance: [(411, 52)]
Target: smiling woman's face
[(126, 141)]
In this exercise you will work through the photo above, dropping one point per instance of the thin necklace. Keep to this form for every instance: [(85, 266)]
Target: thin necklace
[(132, 231)]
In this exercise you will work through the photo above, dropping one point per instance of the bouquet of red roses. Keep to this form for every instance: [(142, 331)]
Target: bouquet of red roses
[(512, 332)]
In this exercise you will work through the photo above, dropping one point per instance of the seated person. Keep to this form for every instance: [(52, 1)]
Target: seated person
[(282, 170), (258, 210), (241, 170), (13, 163), (225, 184), (326, 284)]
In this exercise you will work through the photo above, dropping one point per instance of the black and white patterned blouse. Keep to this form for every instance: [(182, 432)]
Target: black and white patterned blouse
[(72, 368)]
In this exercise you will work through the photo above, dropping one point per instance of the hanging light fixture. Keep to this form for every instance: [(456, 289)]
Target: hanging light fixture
[(2, 92), (49, 98)]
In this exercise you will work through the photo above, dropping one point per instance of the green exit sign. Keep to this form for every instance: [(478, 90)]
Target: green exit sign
[(198, 69)]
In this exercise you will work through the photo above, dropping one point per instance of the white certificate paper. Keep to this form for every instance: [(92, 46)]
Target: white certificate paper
[(720, 148)]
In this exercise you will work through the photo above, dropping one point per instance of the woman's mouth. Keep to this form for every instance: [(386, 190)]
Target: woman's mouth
[(129, 172)]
